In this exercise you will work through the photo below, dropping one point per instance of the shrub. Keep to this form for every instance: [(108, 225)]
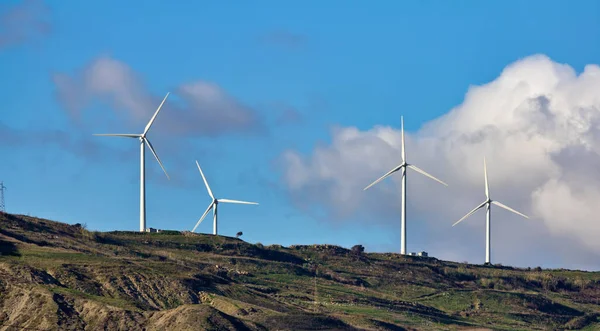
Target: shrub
[(486, 283), (357, 249), (580, 322)]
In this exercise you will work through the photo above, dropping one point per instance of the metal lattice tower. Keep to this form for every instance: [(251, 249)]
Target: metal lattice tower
[(2, 206)]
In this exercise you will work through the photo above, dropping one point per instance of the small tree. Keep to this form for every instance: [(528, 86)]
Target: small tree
[(358, 249), (239, 234)]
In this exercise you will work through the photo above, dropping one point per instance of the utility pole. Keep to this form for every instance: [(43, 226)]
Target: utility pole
[(2, 206)]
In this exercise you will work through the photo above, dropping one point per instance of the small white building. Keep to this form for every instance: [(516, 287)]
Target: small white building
[(412, 254), (423, 254), (152, 230)]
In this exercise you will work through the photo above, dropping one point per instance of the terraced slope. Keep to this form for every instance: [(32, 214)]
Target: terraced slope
[(55, 276)]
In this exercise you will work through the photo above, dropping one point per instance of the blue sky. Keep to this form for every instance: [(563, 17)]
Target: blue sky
[(299, 69)]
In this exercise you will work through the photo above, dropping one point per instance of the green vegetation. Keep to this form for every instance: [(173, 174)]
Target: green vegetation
[(61, 276), (114, 302)]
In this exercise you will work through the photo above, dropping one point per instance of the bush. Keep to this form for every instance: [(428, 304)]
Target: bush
[(580, 322), (169, 232), (357, 249), (487, 283)]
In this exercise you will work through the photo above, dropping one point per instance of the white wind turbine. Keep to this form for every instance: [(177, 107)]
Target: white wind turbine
[(143, 141), (403, 167), (488, 219), (215, 203)]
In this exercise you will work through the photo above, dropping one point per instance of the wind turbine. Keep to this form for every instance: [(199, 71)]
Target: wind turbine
[(403, 167), (488, 219), (143, 141), (215, 203)]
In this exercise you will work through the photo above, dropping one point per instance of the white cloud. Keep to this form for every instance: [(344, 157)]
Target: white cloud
[(538, 124), (23, 22), (207, 108)]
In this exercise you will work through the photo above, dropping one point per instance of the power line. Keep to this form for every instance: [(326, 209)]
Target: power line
[(2, 205)]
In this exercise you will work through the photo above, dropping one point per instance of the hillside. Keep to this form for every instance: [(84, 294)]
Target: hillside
[(55, 276)]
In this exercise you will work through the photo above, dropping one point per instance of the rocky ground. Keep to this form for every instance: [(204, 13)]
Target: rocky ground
[(55, 276)]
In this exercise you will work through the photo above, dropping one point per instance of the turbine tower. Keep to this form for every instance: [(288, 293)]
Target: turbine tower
[(214, 204), (488, 219), (143, 141), (403, 167)]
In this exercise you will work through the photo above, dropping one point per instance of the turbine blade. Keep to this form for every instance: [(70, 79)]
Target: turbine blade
[(128, 135), (415, 168), (487, 188), (205, 182), (470, 213), (156, 156), (204, 215), (237, 201), (508, 208), (402, 130), (155, 114), (384, 176)]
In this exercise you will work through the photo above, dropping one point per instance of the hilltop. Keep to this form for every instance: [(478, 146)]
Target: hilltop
[(56, 276)]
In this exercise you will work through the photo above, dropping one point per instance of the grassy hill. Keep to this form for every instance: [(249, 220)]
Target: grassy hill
[(55, 276)]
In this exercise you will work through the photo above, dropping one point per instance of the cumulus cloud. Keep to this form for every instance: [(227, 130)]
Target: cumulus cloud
[(206, 109), (23, 22), (538, 124)]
